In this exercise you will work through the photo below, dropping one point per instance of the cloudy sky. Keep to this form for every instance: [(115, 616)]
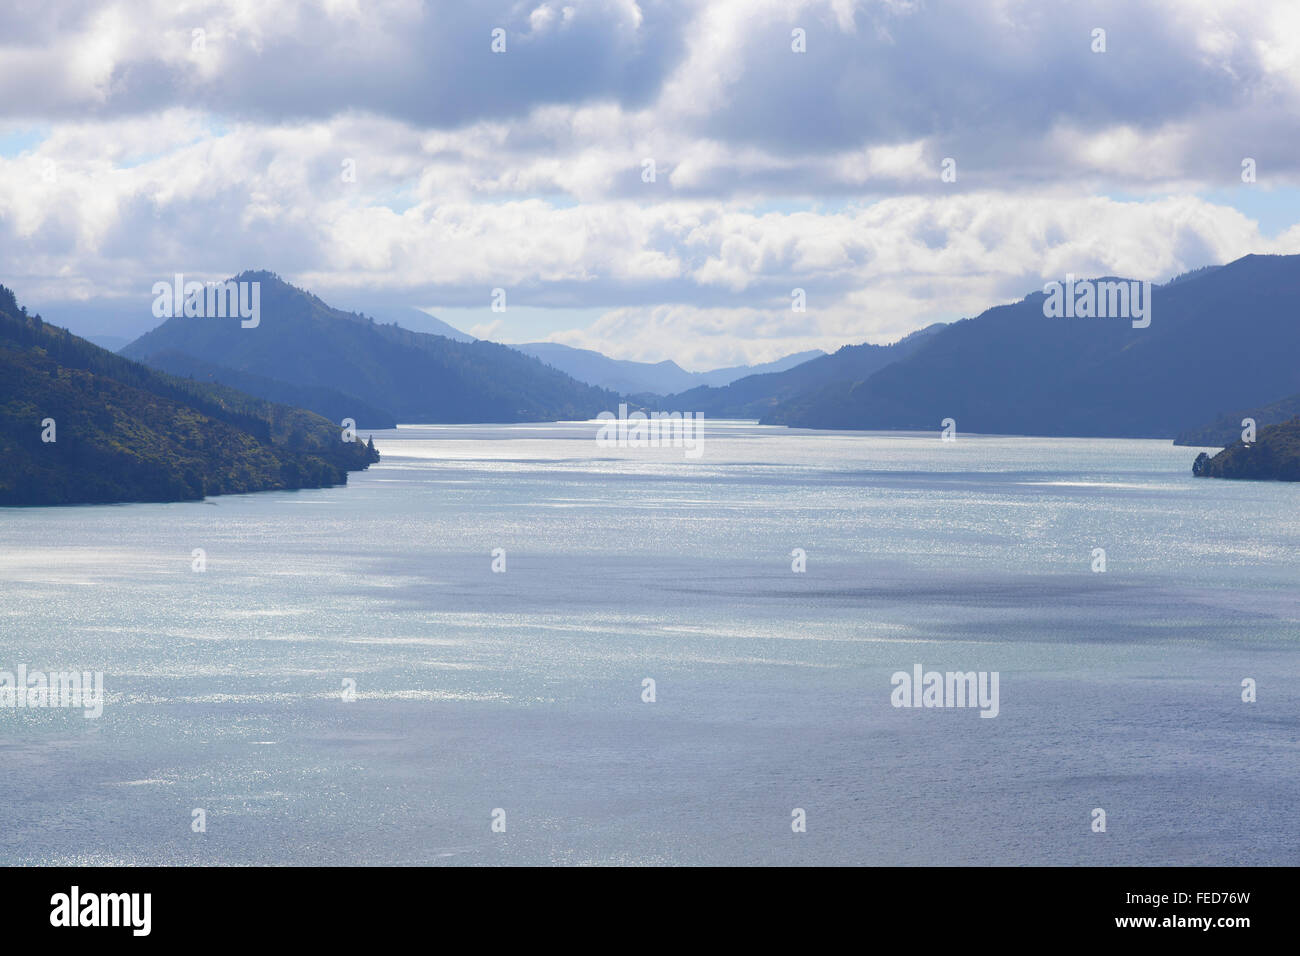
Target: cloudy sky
[(382, 154)]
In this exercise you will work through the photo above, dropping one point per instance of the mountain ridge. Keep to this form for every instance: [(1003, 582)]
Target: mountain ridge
[(629, 377), (756, 396), (1220, 337), (82, 425), (396, 373)]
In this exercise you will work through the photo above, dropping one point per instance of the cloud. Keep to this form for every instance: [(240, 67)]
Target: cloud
[(429, 64), (383, 149), (487, 330)]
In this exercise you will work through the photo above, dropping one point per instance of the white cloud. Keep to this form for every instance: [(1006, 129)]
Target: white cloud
[(818, 170)]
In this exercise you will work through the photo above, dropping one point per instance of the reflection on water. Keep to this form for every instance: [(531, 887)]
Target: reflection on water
[(522, 690)]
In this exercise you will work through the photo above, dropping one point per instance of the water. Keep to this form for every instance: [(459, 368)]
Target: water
[(522, 690)]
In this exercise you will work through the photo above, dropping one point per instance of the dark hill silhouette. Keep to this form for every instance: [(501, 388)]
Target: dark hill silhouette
[(1273, 456), (756, 396), (1226, 429), (125, 432), (1219, 338), (393, 372), (328, 402)]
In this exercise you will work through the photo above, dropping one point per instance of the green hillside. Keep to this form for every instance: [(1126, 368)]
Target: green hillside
[(1274, 456), (124, 432)]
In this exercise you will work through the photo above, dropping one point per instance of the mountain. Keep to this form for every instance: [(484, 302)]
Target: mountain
[(110, 342), (417, 320), (725, 376), (620, 375), (756, 396), (645, 378), (1218, 338), (329, 402), (1274, 456), (1226, 429), (393, 373), (124, 432)]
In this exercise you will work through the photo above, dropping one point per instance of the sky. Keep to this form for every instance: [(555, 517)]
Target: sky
[(383, 155)]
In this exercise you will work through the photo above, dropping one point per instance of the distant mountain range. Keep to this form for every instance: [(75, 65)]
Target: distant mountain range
[(330, 361), (80, 425), (111, 342), (1219, 338), (764, 395), (1223, 337), (646, 378), (417, 320)]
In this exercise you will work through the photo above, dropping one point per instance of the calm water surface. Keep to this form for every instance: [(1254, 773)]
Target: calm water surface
[(522, 690)]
